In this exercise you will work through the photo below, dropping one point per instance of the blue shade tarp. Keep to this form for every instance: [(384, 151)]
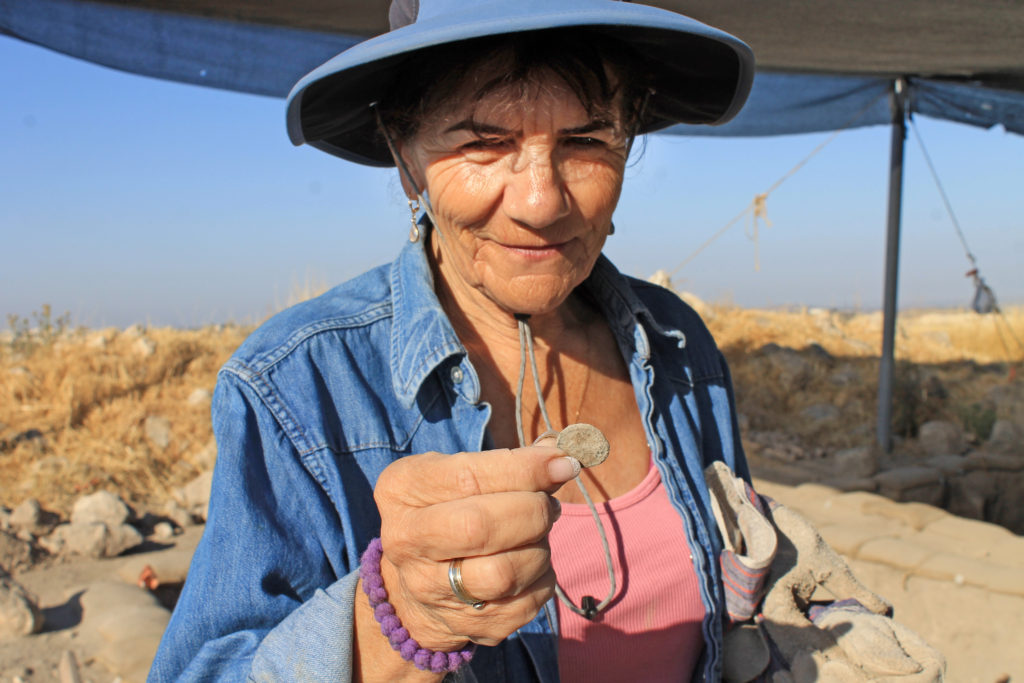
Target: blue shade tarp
[(230, 55), (782, 104), (214, 50)]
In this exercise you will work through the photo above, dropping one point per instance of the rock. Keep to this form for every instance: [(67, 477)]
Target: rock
[(199, 397), (81, 538), (196, 494), (1006, 510), (133, 331), (855, 462), (697, 304), (819, 353), (92, 539), (100, 338), (980, 460), (14, 553), (144, 346), (19, 615), (27, 515), (971, 495), (912, 484), (932, 389), (794, 371), (820, 412), (5, 519), (1007, 436), (1008, 400), (30, 517), (846, 484), (844, 376), (948, 465), (938, 437), (178, 514), (158, 431), (163, 531), (54, 543), (121, 538), (662, 279), (101, 506)]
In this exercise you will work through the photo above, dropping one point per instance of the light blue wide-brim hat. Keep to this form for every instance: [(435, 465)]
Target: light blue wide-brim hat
[(701, 74)]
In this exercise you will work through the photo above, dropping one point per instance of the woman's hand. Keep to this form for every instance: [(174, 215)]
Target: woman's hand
[(494, 509)]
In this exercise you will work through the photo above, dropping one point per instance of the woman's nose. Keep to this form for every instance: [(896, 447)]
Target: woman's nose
[(535, 193)]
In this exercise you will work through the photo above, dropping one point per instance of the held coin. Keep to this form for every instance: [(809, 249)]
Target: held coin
[(585, 443)]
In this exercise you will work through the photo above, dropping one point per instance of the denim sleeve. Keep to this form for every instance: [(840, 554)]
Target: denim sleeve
[(263, 601)]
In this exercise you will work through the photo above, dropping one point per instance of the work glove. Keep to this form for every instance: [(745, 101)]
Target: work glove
[(791, 639)]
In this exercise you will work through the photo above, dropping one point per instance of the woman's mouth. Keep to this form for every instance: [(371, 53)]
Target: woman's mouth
[(536, 252)]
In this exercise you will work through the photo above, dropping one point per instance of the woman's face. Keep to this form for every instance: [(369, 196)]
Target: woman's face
[(523, 190)]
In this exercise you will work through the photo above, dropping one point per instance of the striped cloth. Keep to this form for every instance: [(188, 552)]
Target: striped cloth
[(749, 538)]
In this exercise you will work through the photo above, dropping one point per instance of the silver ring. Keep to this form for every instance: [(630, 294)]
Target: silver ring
[(459, 590)]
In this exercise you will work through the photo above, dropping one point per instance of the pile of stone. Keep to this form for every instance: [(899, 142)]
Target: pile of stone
[(122, 616), (985, 482), (101, 525), (946, 466)]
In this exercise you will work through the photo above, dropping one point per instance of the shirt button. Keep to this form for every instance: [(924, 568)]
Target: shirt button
[(457, 375)]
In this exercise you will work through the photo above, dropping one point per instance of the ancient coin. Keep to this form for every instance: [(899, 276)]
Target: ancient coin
[(584, 442)]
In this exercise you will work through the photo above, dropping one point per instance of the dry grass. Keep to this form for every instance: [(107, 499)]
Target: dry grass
[(922, 336), (89, 393), (87, 396), (949, 364)]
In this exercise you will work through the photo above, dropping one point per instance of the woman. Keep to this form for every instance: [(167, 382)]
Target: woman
[(396, 404)]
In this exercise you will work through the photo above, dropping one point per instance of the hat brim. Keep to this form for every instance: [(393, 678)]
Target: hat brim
[(702, 75)]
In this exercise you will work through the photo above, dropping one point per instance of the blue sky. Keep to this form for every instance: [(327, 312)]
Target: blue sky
[(125, 199)]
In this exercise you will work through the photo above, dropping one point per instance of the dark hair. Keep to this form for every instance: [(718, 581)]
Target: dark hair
[(602, 72)]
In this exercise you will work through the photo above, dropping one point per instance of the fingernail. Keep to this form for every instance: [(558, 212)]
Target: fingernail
[(556, 507), (564, 469)]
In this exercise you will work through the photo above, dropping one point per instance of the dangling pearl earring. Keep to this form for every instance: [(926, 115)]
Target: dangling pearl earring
[(414, 231)]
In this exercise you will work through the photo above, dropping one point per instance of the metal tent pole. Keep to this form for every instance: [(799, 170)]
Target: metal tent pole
[(892, 253)]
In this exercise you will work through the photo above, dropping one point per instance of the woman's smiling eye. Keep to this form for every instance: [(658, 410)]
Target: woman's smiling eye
[(487, 143), (584, 141)]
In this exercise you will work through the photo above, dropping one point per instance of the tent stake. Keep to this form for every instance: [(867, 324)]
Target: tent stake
[(892, 254)]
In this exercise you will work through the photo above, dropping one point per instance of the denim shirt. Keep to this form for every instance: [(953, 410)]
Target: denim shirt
[(328, 393)]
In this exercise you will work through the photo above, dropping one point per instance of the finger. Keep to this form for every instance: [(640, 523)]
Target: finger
[(507, 574), (468, 527), (433, 478), (500, 618)]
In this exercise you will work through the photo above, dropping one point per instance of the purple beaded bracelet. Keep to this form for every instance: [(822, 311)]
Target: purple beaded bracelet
[(391, 625)]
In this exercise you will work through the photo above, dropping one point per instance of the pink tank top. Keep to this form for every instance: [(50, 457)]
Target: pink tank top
[(651, 631)]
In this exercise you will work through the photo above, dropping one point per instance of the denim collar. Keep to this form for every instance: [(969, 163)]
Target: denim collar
[(422, 337)]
